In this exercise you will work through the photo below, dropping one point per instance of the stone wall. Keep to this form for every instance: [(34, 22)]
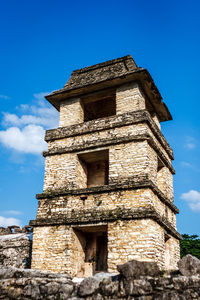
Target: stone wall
[(130, 191), (131, 147), (15, 248), (142, 240), (107, 136), (71, 112), (64, 169), (136, 198), (129, 97), (137, 280), (56, 248), (51, 249)]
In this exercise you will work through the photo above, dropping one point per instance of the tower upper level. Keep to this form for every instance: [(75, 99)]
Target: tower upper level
[(106, 89)]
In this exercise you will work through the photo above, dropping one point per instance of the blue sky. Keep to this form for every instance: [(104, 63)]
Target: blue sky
[(43, 41)]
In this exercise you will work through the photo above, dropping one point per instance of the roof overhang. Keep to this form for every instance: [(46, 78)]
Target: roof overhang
[(142, 76)]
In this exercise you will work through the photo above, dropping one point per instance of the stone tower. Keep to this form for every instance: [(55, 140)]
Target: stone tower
[(108, 185)]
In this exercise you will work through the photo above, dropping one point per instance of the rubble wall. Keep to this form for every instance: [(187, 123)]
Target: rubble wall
[(15, 249), (135, 281)]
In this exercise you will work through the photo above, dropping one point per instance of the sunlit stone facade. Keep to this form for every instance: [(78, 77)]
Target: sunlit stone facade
[(108, 185)]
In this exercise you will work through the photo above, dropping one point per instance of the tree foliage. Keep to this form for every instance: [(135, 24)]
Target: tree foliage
[(190, 244)]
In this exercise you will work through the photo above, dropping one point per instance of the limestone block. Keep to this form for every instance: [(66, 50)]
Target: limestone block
[(135, 269), (71, 112), (129, 97), (189, 265), (165, 182), (156, 120)]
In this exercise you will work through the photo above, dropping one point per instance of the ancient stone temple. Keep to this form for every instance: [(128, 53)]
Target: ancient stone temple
[(108, 185)]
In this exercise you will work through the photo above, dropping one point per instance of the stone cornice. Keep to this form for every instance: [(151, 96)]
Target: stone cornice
[(80, 217), (107, 123), (137, 182), (108, 142), (89, 83)]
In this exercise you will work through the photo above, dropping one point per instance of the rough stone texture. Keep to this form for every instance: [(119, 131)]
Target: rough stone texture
[(142, 243), (80, 217), (132, 198), (63, 167), (117, 135), (129, 118), (88, 287), (15, 250), (156, 120), (129, 97), (108, 186), (189, 265), (136, 182), (57, 248), (71, 112), (134, 269), (138, 280), (165, 182), (51, 249), (111, 74), (101, 72), (30, 284)]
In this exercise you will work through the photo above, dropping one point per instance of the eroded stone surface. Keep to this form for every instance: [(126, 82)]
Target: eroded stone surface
[(108, 185), (135, 269), (189, 265), (88, 286), (15, 250), (32, 284)]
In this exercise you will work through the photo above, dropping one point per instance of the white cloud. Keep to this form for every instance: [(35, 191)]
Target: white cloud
[(23, 107), (190, 143), (4, 222), (186, 164), (30, 139), (4, 97), (25, 130), (46, 120), (12, 212), (40, 96), (193, 199), (41, 114)]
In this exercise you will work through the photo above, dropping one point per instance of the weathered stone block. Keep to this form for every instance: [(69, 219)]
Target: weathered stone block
[(189, 265), (135, 269)]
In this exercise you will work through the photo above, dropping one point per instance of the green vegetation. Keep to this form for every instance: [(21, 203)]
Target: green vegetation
[(190, 244)]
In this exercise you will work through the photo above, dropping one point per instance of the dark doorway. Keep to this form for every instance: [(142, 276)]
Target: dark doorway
[(94, 248), (102, 246)]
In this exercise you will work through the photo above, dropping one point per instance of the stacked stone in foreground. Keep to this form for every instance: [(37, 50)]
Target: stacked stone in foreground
[(137, 280), (15, 247)]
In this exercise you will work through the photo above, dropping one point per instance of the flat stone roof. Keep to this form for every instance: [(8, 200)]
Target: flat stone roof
[(109, 74), (100, 72)]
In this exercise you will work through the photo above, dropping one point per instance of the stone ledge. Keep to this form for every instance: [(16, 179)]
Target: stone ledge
[(109, 142), (107, 123), (139, 74), (137, 182), (137, 280), (80, 217)]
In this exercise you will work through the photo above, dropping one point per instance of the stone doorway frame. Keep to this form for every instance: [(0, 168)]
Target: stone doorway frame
[(92, 244)]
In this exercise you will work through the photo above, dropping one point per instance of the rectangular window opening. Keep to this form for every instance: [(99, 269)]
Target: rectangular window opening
[(99, 105), (96, 167)]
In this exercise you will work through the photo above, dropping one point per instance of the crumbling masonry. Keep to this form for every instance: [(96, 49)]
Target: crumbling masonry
[(108, 186)]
